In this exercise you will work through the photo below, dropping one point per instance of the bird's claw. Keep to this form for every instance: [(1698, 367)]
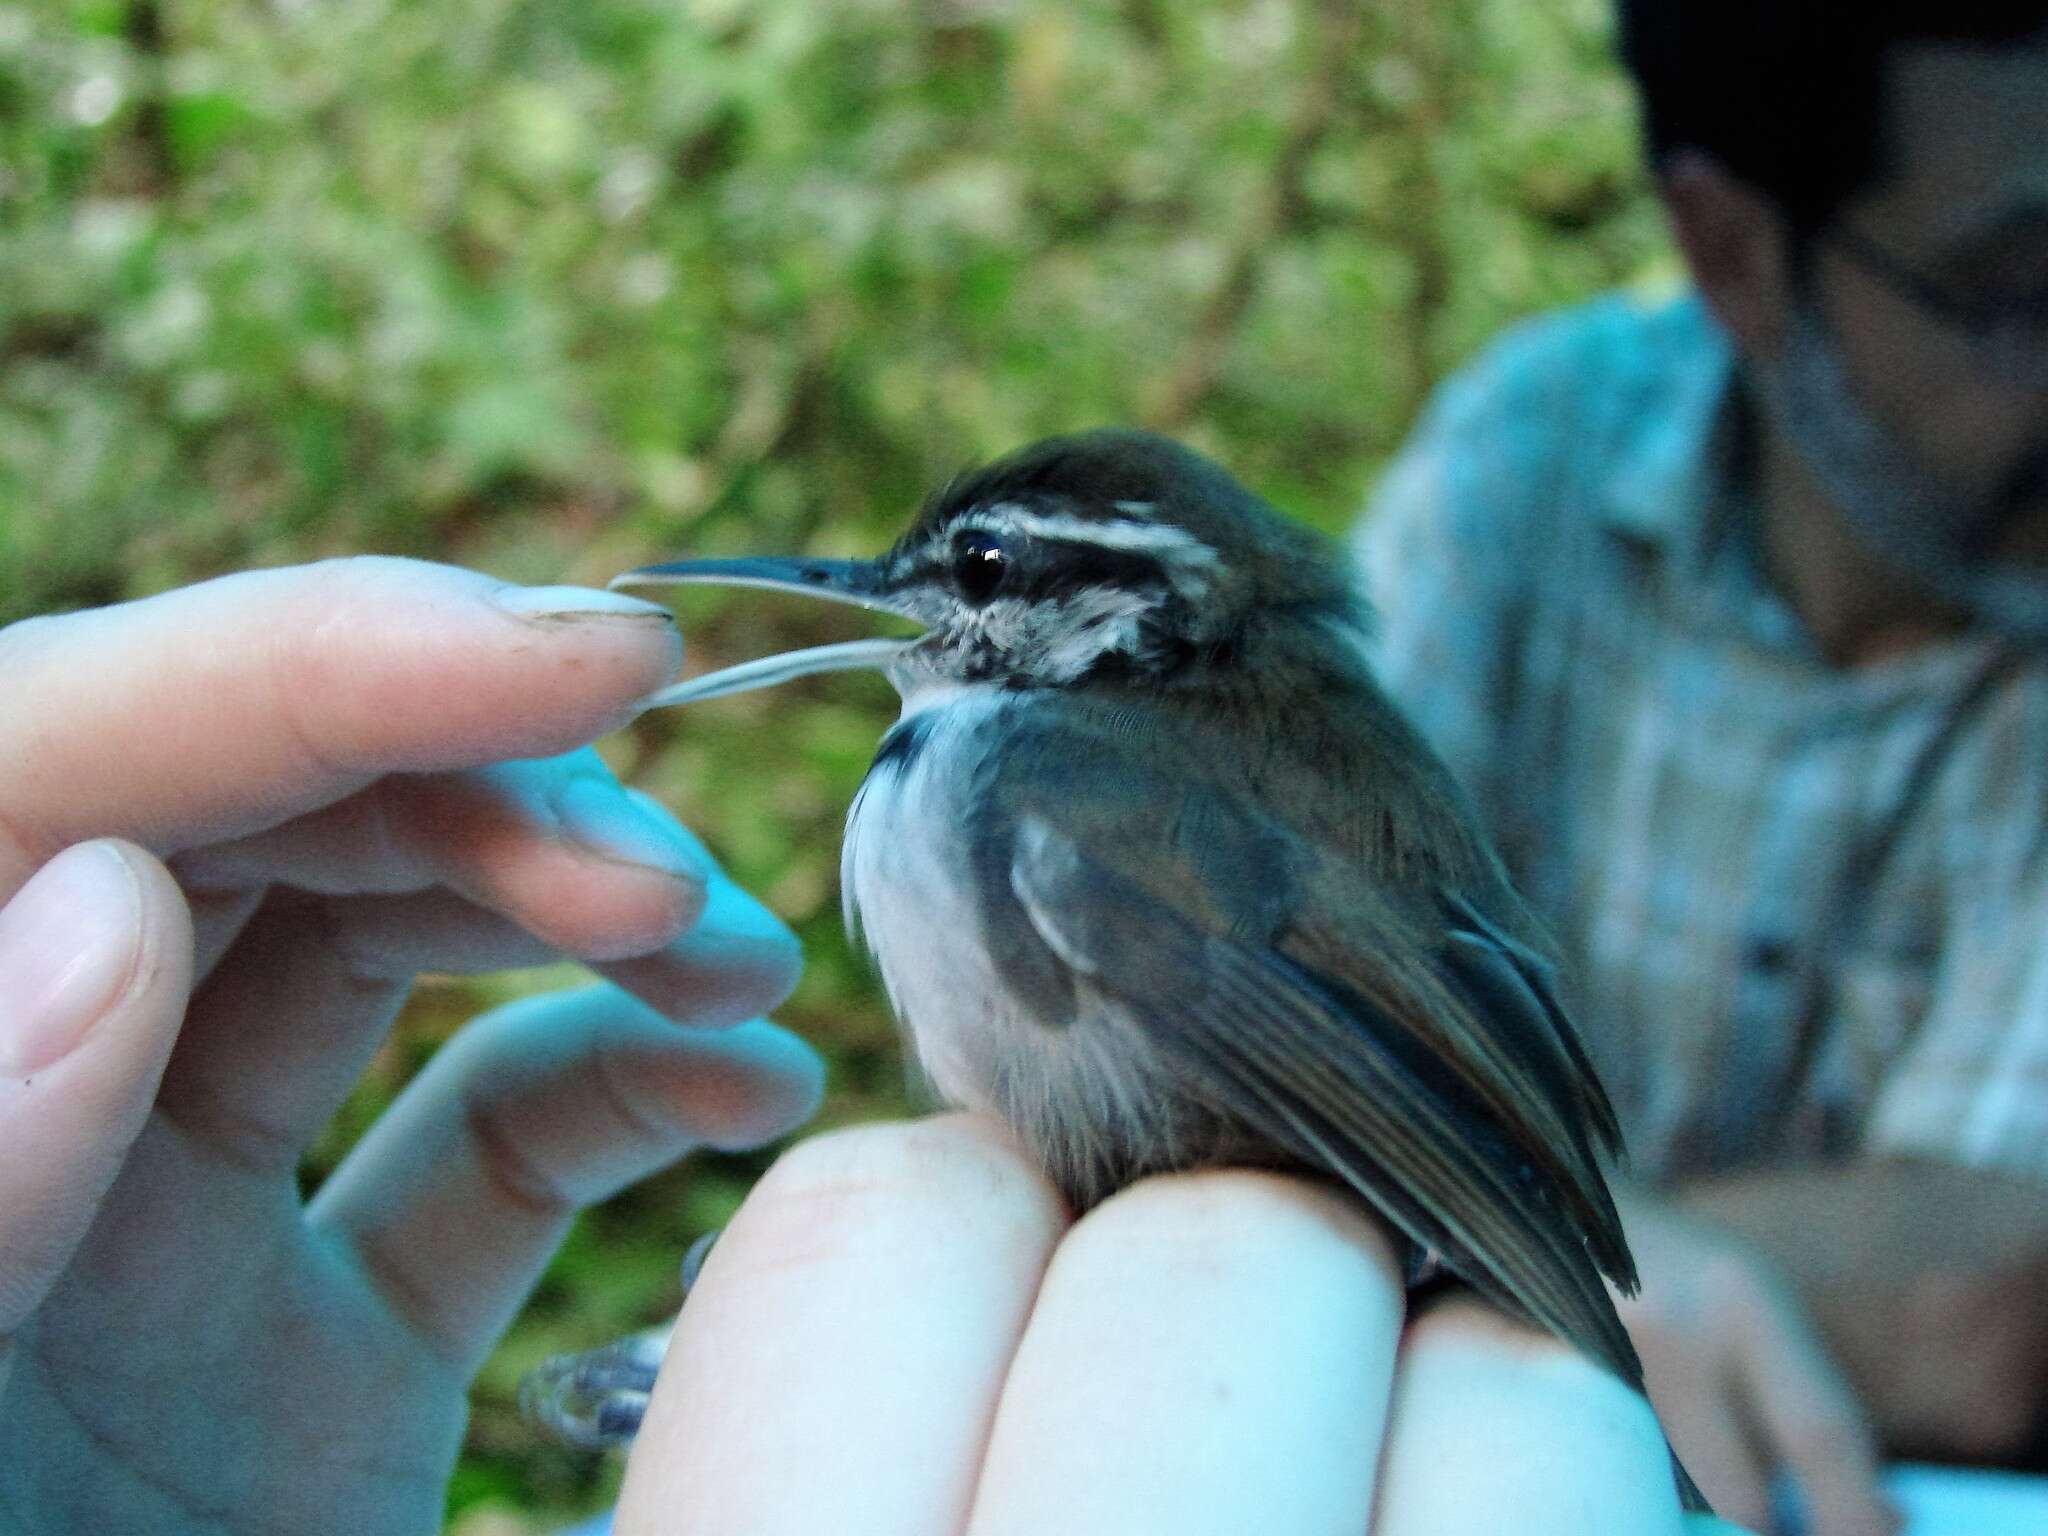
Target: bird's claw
[(597, 1398)]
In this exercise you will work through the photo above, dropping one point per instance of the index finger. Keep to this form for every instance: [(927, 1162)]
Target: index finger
[(224, 708), (1209, 1353), (839, 1359), (1499, 1427)]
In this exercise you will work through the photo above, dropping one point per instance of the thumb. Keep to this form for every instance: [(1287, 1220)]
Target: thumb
[(95, 966)]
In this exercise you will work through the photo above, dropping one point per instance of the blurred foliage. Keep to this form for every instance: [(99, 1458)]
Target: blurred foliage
[(554, 287)]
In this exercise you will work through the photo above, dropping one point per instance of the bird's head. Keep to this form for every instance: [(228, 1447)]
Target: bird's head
[(1108, 555)]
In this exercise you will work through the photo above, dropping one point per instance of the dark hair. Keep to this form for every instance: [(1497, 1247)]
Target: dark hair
[(1788, 94)]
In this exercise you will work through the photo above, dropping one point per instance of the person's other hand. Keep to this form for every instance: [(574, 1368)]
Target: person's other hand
[(1742, 1381), (235, 820), (903, 1334)]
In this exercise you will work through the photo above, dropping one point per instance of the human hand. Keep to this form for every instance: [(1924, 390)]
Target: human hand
[(903, 1334), (348, 770), (1742, 1381)]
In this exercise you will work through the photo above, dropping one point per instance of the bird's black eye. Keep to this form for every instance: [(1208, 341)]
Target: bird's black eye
[(979, 565)]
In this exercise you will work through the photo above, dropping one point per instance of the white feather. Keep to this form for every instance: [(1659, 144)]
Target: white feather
[(1092, 623), (1083, 1089), (900, 869)]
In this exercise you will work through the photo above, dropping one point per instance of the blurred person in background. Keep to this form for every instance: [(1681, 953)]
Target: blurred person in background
[(1730, 614)]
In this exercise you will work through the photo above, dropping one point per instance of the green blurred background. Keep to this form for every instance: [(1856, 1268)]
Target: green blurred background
[(556, 287)]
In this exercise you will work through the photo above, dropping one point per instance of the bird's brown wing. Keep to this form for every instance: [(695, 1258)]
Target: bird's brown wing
[(1349, 1073), (1481, 1003)]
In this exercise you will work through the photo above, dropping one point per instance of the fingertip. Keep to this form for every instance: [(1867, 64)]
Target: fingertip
[(776, 958), (1496, 1425), (1209, 1308), (95, 968), (628, 647), (750, 1084), (224, 708), (97, 925), (754, 936), (736, 929), (404, 664), (891, 1269), (738, 962), (730, 1089), (748, 931)]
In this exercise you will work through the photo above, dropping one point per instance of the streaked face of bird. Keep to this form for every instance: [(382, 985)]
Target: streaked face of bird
[(1034, 593)]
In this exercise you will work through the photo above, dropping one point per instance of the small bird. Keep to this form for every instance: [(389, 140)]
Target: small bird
[(1152, 869)]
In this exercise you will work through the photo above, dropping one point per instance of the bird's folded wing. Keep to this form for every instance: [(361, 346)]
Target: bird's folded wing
[(1518, 979), (1509, 987), (1324, 1071)]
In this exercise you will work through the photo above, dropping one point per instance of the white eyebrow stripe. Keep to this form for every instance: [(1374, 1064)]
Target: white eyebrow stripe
[(1174, 545)]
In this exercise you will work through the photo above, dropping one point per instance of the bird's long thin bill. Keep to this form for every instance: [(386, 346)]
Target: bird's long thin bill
[(858, 582), (847, 656)]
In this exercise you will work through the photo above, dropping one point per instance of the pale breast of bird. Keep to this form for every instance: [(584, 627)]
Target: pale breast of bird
[(1061, 1062)]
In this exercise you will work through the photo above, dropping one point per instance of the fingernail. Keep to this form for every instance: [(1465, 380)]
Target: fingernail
[(67, 947), (609, 822), (579, 605)]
